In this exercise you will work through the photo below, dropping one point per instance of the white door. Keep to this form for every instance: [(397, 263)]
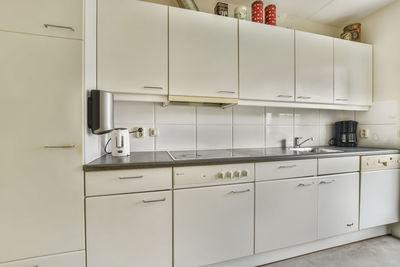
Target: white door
[(129, 230), (338, 202), (132, 47), (379, 198), (41, 185), (286, 213), (203, 54), (353, 73), (61, 18), (266, 62), (213, 224), (314, 68)]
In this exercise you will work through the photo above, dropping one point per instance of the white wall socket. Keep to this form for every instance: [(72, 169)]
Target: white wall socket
[(138, 132), (364, 133)]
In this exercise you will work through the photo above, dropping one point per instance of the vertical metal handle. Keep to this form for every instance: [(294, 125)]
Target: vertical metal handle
[(58, 26)]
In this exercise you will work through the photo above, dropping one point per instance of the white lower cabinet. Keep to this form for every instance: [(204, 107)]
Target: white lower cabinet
[(213, 224), (73, 259), (285, 213), (338, 202), (130, 230)]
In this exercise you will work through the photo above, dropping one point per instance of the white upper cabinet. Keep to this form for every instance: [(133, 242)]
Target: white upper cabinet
[(132, 47), (266, 62), (353, 73), (203, 54), (338, 202), (61, 18), (314, 68)]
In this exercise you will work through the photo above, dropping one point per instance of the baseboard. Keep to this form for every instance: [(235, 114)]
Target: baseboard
[(286, 253)]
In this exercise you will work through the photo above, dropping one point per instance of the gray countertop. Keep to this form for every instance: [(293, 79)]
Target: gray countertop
[(139, 160)]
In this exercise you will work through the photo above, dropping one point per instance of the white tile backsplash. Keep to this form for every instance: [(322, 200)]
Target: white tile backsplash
[(384, 112), (306, 116), (248, 115), (214, 115), (175, 114), (176, 137), (279, 136), (248, 136), (206, 127), (214, 137), (279, 116), (380, 136)]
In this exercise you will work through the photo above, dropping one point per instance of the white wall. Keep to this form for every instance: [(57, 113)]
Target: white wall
[(383, 120), (284, 20), (189, 127)]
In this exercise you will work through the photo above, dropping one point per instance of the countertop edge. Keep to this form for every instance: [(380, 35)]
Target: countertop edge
[(219, 161)]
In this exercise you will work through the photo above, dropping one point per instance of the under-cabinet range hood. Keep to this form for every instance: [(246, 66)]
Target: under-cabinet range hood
[(202, 100)]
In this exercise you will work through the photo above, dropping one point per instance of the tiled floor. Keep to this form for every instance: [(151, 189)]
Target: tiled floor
[(377, 252)]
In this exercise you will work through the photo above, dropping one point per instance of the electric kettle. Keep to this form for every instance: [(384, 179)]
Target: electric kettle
[(120, 142)]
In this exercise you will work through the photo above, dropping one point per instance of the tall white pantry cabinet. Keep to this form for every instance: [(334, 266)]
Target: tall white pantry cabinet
[(41, 186)]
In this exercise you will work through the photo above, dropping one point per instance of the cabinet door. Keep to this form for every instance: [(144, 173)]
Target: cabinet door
[(338, 200), (379, 198), (129, 230), (314, 68), (266, 62), (73, 259), (353, 73), (203, 54), (41, 185), (213, 224), (43, 17), (132, 47), (286, 213)]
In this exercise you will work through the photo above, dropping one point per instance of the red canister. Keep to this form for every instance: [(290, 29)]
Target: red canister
[(270, 15), (257, 11)]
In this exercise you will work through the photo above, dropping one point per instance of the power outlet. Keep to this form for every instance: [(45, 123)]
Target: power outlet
[(364, 133), (138, 132), (153, 132)]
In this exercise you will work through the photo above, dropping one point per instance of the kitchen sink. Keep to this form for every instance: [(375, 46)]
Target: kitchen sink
[(315, 150)]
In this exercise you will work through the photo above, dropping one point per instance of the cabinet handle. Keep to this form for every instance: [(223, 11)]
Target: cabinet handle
[(287, 166), (303, 185), (226, 92), (154, 200), (62, 146), (304, 97), (241, 191), (130, 177), (285, 96), (342, 99), (153, 87), (350, 224), (326, 182), (58, 26)]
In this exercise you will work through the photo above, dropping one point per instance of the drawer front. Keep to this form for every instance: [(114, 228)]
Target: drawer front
[(285, 169), (338, 165), (73, 259), (128, 181)]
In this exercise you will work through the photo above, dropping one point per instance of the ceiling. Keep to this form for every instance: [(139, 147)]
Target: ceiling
[(331, 12)]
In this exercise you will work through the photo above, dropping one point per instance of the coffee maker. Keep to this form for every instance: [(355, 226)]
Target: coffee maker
[(345, 134)]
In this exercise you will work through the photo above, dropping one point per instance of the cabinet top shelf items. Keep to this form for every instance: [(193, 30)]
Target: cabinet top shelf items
[(166, 54)]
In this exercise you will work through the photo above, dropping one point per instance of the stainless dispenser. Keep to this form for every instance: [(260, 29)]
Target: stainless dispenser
[(101, 112)]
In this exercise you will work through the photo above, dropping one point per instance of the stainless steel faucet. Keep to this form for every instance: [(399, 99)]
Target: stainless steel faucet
[(297, 142)]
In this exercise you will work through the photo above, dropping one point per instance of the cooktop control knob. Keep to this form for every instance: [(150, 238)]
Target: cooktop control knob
[(236, 174), (228, 174), (245, 173), (220, 175)]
